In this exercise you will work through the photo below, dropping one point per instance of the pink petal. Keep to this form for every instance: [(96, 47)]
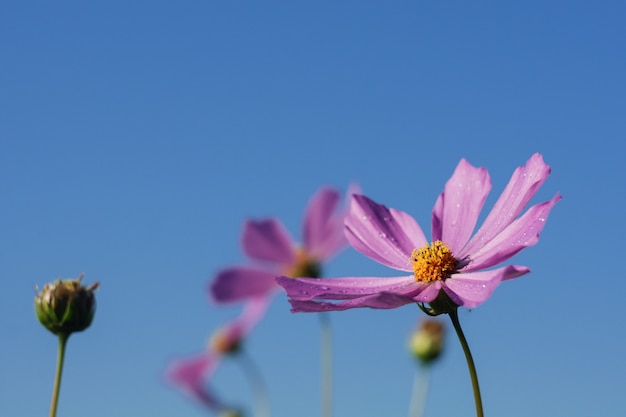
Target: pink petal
[(436, 226), (191, 374), (520, 234), (323, 225), (380, 301), (372, 292), (235, 331), (472, 289), (457, 208), (345, 288), (252, 312), (240, 283), (381, 233), (429, 293), (337, 241), (268, 240), (522, 186)]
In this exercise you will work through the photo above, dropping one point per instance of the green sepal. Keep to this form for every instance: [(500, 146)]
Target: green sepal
[(442, 304)]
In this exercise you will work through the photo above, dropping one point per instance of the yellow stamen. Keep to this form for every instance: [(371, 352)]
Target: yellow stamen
[(303, 266), (222, 342), (433, 262)]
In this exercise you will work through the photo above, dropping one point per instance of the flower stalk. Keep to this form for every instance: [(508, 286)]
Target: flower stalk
[(454, 316), (259, 389), (421, 383), (425, 345), (59, 372), (326, 339)]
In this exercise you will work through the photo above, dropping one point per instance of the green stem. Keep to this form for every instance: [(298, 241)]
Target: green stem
[(259, 390), (57, 380), (326, 338), (454, 316)]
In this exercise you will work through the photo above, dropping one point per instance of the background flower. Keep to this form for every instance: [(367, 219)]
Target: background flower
[(192, 374), (274, 252)]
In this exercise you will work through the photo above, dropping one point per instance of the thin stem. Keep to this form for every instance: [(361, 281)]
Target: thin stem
[(454, 316), (421, 383), (326, 339), (259, 390), (57, 380)]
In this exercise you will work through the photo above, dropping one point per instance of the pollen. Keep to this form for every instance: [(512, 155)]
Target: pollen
[(433, 262)]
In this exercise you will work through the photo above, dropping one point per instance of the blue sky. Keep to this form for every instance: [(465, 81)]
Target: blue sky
[(136, 137)]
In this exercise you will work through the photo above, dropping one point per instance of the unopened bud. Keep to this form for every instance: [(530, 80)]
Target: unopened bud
[(426, 342), (66, 306)]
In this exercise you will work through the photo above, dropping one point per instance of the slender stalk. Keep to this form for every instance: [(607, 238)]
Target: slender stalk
[(421, 383), (326, 339), (454, 316), (259, 389), (57, 380)]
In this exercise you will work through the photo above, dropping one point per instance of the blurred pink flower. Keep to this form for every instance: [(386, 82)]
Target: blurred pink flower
[(269, 244), (453, 264), (191, 374)]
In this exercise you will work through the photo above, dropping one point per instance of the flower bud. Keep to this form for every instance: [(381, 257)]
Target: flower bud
[(426, 342), (66, 306)]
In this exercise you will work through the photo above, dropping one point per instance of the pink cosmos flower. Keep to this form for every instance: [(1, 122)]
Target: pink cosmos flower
[(192, 374), (269, 244), (454, 264)]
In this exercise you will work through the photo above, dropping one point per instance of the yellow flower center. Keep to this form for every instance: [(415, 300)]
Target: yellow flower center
[(433, 262), (303, 266)]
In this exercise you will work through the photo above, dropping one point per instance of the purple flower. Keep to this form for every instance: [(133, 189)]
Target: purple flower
[(269, 244), (192, 374), (454, 264)]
